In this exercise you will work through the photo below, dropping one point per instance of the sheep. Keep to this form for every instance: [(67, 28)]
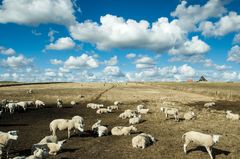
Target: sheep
[(209, 104), (49, 139), (122, 130), (62, 124), (6, 139), (127, 114), (78, 119), (103, 110), (39, 104), (94, 106), (170, 111), (201, 139), (143, 111), (168, 103), (95, 125), (99, 129), (11, 107), (232, 116), (189, 115), (113, 107), (117, 103), (23, 105), (140, 106), (30, 91), (59, 103), (135, 120), (52, 148), (73, 103), (37, 154), (142, 140)]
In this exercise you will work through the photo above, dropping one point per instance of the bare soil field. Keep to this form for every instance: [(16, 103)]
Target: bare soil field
[(33, 125)]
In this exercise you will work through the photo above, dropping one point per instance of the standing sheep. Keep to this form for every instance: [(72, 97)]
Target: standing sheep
[(123, 130), (39, 104), (6, 140), (201, 139), (63, 124), (142, 140), (11, 107), (59, 103), (170, 112)]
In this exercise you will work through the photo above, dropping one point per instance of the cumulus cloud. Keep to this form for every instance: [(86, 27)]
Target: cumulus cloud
[(116, 32), (230, 76), (234, 54), (80, 62), (195, 46), (29, 12), (56, 62), (144, 62), (61, 44), (112, 61), (186, 70), (189, 16), (227, 24), (7, 51), (113, 71), (16, 62), (50, 73), (130, 55), (197, 58), (236, 39)]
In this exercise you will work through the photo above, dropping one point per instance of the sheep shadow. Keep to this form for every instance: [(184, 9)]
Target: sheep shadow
[(215, 151), (87, 133), (9, 125), (69, 150), (24, 152)]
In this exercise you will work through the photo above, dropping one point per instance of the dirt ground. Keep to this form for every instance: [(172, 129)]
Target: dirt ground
[(33, 125)]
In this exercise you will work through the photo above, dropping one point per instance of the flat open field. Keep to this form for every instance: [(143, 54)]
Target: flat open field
[(33, 125)]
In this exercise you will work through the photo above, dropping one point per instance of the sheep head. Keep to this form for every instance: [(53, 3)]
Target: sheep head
[(216, 138)]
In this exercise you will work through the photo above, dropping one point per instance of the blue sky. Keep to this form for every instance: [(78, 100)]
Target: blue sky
[(147, 40)]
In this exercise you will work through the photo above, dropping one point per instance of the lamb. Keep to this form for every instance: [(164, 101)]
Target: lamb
[(52, 148), (170, 111), (189, 115), (142, 140), (62, 124), (122, 130), (232, 116), (135, 120), (201, 139), (6, 140), (113, 107), (143, 111), (209, 104), (103, 110), (49, 139), (59, 103), (39, 104)]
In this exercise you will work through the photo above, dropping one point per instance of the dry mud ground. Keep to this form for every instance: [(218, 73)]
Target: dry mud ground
[(33, 125)]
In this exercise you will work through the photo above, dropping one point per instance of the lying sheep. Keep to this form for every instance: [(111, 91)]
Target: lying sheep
[(99, 129), (135, 120), (103, 110), (113, 107), (39, 104), (94, 106), (142, 140), (59, 103), (49, 139), (38, 154), (140, 106), (52, 148), (201, 139), (127, 114), (95, 125), (209, 104), (232, 116), (123, 130), (143, 111), (6, 140), (189, 115), (170, 112), (63, 124)]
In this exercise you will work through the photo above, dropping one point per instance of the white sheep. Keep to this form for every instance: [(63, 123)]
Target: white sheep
[(39, 104), (78, 119), (63, 124), (73, 103), (135, 120), (30, 91), (143, 111), (99, 129), (231, 115), (201, 139), (59, 103), (209, 104), (103, 110), (117, 103), (123, 130), (52, 148), (170, 112), (142, 140), (95, 125), (37, 154), (189, 115), (22, 104), (11, 107), (6, 139), (49, 139), (140, 106), (94, 106), (113, 107), (127, 114)]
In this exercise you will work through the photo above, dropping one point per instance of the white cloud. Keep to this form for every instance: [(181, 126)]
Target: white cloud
[(81, 62), (186, 70), (61, 44), (36, 33), (187, 58), (34, 12), (56, 62), (191, 15), (230, 76), (113, 61), (50, 73), (113, 71), (51, 34), (116, 32), (7, 51), (226, 24), (195, 46), (234, 54), (236, 39), (17, 62), (144, 62), (130, 55)]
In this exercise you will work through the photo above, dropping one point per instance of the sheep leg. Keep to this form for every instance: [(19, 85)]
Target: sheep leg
[(69, 133), (209, 152), (185, 146)]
